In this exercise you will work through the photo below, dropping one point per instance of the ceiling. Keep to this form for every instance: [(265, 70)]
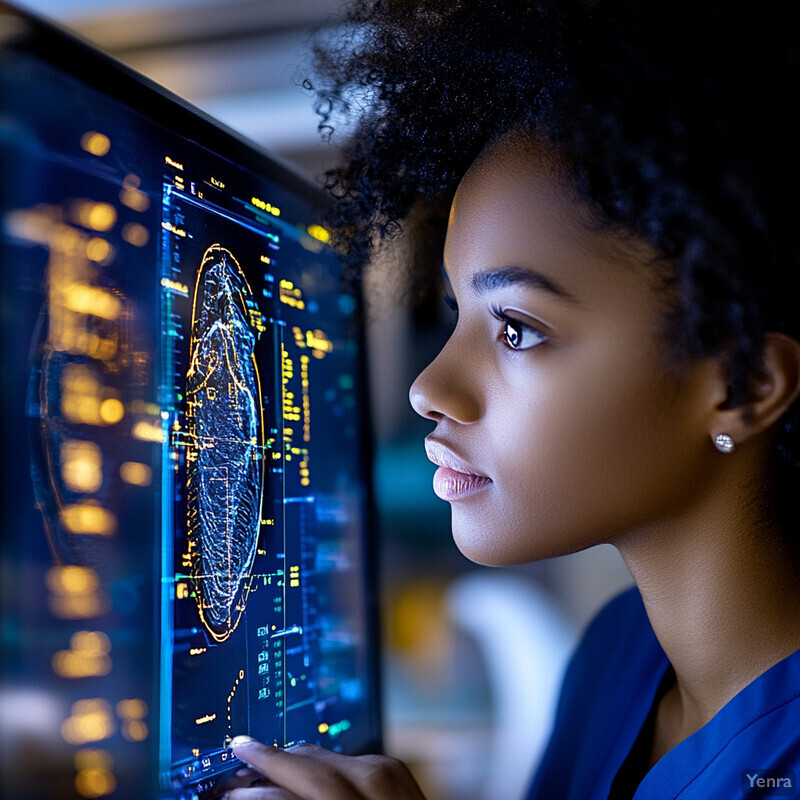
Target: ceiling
[(241, 61)]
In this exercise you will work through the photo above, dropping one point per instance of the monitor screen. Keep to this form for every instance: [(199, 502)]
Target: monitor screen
[(185, 465)]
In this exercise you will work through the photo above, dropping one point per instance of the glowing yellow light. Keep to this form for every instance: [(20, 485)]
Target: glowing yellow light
[(101, 349), (135, 473), (80, 400), (96, 216), (81, 408), (95, 782), (72, 665), (88, 758), (81, 465), (268, 207), (135, 234), (181, 288), (74, 593), (133, 712), (173, 229), (87, 658), (94, 778), (99, 250), (317, 340), (318, 232), (181, 591), (102, 217), (71, 580), (88, 518), (134, 730), (94, 642), (78, 607), (79, 379), (98, 144), (135, 199), (323, 727), (147, 432), (86, 299), (293, 297), (111, 410), (132, 709), (90, 721)]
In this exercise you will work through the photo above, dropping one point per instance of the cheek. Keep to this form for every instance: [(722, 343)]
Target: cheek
[(575, 461)]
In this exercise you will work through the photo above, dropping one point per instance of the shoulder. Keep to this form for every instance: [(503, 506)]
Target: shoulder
[(616, 653), (606, 688)]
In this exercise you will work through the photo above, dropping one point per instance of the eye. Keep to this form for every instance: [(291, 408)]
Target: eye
[(518, 335)]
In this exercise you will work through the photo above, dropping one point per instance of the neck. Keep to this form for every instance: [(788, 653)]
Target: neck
[(722, 593)]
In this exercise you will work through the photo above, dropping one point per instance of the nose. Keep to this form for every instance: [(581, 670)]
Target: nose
[(447, 388)]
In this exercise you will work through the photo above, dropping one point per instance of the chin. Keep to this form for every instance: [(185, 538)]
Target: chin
[(499, 544), (485, 545)]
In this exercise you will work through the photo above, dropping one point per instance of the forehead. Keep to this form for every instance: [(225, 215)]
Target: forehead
[(514, 186), (513, 160), (516, 207)]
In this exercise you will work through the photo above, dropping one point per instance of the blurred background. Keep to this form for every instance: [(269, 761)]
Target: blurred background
[(473, 656)]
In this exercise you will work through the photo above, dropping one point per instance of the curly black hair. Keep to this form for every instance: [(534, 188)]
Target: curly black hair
[(677, 121)]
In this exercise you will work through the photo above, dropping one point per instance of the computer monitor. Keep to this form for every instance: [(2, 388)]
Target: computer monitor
[(187, 547)]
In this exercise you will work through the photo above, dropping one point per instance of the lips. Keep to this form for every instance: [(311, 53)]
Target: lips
[(454, 480)]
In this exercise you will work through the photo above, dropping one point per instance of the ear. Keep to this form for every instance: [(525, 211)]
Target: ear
[(772, 390)]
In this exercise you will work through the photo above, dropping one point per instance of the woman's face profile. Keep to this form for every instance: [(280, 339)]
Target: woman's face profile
[(558, 425)]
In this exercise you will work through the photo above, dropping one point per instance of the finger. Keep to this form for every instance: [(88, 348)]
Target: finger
[(307, 771), (389, 777), (374, 776), (243, 777), (347, 764), (315, 773), (361, 771)]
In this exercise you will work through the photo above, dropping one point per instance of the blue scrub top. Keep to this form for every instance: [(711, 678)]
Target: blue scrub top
[(608, 691)]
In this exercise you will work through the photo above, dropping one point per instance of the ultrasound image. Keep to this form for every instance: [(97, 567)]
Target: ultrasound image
[(225, 473)]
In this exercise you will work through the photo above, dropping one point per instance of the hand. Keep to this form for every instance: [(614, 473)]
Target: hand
[(308, 772)]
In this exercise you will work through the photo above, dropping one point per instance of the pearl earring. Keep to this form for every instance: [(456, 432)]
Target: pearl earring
[(724, 443)]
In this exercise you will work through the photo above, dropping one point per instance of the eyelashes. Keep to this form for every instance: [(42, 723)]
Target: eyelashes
[(515, 334)]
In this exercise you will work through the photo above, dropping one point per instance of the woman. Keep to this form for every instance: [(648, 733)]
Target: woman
[(621, 250)]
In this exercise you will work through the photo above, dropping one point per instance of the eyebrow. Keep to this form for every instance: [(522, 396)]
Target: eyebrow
[(493, 279)]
